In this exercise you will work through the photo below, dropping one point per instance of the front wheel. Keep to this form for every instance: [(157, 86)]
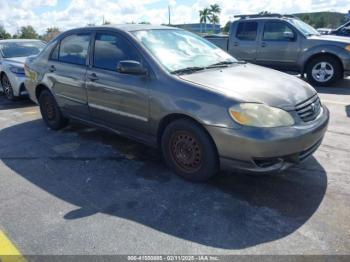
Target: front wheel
[(50, 111), (323, 71), (189, 150), (7, 88)]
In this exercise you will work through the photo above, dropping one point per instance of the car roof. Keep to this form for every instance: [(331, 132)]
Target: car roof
[(265, 18), (18, 40), (127, 27)]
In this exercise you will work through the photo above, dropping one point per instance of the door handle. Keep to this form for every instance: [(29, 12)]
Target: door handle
[(92, 77), (235, 44), (263, 44), (52, 68)]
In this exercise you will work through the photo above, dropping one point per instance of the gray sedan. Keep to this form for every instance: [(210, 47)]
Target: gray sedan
[(171, 89), (13, 53)]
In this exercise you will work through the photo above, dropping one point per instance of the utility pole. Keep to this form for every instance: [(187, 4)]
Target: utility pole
[(169, 14)]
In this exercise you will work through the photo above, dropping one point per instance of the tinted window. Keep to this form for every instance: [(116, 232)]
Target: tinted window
[(247, 31), (276, 31), (54, 54), (74, 49), (110, 49)]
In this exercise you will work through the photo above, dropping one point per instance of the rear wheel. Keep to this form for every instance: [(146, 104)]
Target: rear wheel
[(324, 71), (50, 111), (7, 87), (189, 150)]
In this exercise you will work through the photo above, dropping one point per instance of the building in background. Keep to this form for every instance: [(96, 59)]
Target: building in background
[(200, 28)]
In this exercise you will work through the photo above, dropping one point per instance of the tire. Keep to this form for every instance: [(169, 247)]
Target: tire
[(189, 150), (7, 88), (51, 112), (329, 71)]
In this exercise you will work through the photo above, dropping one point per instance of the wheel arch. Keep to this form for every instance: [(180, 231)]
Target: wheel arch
[(323, 54), (2, 73), (166, 120), (39, 89)]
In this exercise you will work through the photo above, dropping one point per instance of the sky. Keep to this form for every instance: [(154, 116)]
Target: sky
[(66, 14)]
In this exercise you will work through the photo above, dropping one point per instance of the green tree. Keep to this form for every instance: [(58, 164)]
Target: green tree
[(28, 32), (320, 22), (3, 33), (204, 17), (215, 11), (226, 28), (51, 33)]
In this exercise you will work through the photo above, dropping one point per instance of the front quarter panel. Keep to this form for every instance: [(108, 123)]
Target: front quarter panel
[(309, 51), (171, 95)]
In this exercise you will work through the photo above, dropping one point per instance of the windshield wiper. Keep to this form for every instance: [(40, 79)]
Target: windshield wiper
[(225, 64), (190, 69)]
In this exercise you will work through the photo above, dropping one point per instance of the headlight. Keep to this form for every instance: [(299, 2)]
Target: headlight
[(17, 70), (260, 115), (347, 48)]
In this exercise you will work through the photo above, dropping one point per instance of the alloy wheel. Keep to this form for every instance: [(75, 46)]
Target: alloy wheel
[(322, 72)]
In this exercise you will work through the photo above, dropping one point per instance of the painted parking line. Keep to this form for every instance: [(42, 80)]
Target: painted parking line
[(334, 102), (8, 251)]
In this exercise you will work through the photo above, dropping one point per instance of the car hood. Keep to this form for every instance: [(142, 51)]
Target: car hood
[(252, 83), (331, 38), (16, 60)]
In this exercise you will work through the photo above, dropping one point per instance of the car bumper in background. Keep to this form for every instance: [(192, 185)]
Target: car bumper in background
[(268, 149), (346, 65), (17, 83)]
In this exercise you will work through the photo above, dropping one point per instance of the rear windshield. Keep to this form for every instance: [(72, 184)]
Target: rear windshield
[(20, 49)]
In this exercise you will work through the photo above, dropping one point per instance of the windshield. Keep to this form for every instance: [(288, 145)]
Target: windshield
[(305, 29), (21, 49), (179, 49)]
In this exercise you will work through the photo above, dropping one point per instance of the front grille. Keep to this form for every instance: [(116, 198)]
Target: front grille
[(309, 109)]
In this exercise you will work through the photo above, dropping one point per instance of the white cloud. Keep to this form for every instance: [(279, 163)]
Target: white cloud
[(17, 13)]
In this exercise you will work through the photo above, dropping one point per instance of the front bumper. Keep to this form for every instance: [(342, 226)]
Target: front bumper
[(346, 65), (268, 149), (17, 83)]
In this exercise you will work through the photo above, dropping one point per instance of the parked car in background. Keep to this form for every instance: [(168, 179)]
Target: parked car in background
[(13, 53), (170, 88), (325, 31), (288, 44), (343, 30)]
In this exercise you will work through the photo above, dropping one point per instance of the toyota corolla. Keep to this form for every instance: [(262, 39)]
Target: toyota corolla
[(174, 90)]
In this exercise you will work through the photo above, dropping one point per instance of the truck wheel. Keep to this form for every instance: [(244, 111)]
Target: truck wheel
[(189, 150), (324, 71), (7, 88), (50, 111)]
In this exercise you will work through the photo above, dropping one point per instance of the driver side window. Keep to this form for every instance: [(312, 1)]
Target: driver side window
[(277, 31), (110, 49)]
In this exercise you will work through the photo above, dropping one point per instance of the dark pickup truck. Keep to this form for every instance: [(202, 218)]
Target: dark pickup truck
[(287, 44)]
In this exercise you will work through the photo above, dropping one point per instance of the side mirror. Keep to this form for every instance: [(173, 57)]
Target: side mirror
[(131, 67), (289, 35)]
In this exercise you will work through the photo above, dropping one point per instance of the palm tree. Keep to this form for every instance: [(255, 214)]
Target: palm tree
[(204, 16), (214, 11)]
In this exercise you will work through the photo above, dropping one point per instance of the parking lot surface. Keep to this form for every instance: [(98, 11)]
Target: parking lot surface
[(86, 191)]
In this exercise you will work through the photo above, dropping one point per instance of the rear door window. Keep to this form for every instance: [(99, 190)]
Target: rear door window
[(110, 49), (74, 49), (247, 31)]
